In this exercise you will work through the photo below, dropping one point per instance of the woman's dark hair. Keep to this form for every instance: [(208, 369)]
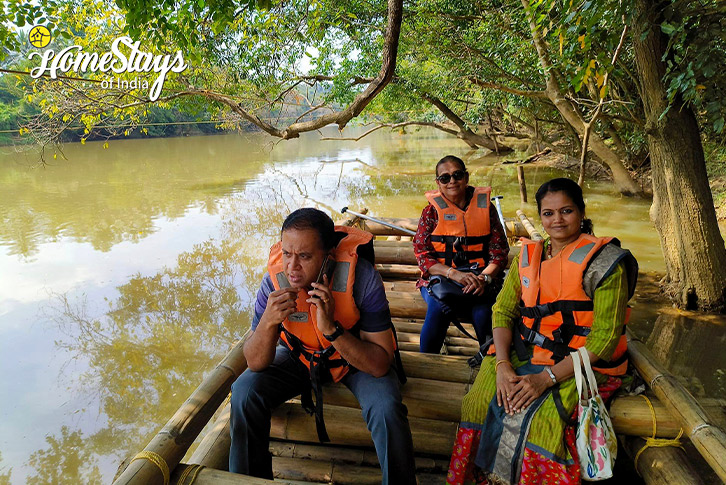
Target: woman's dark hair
[(450, 159), (309, 218), (572, 190)]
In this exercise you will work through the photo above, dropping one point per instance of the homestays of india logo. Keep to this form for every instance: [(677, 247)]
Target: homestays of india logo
[(124, 56)]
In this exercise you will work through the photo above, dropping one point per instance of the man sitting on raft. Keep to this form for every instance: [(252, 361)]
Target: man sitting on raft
[(327, 308)]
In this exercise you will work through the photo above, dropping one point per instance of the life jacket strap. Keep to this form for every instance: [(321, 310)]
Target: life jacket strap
[(475, 360), (320, 364), (465, 240), (547, 309), (559, 349)]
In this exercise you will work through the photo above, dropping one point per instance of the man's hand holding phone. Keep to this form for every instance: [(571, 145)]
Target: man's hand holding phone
[(322, 298)]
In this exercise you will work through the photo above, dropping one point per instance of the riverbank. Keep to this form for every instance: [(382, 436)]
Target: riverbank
[(715, 166)]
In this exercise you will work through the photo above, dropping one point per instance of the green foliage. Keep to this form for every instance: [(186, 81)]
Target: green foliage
[(696, 56)]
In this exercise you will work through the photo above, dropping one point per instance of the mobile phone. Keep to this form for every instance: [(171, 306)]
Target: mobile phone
[(324, 269)]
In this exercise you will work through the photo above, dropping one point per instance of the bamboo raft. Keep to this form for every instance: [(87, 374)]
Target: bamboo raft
[(436, 385)]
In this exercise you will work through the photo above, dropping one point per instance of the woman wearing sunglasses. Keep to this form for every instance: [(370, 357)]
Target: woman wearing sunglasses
[(458, 231)]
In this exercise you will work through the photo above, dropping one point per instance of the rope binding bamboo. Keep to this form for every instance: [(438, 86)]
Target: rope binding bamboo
[(192, 470), (157, 460), (654, 442)]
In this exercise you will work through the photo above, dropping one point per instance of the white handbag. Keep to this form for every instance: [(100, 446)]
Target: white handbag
[(595, 438)]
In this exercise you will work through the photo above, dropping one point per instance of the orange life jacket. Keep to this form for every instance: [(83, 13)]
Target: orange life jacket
[(557, 307), (300, 331), (557, 311), (458, 231)]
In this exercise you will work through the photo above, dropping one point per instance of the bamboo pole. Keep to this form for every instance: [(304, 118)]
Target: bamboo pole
[(210, 476), (414, 326), (175, 438), (401, 253), (213, 451), (437, 367), (395, 255), (658, 466), (351, 456), (631, 416), (533, 232), (380, 230), (404, 304), (398, 271), (709, 440), (515, 228), (470, 344), (440, 400), (409, 286), (296, 471), (346, 427)]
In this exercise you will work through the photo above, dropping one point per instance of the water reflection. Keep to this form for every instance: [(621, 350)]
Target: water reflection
[(171, 238), (687, 343), (106, 196)]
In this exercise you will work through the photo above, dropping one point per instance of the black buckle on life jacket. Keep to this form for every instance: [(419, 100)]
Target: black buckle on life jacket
[(537, 311), (559, 349)]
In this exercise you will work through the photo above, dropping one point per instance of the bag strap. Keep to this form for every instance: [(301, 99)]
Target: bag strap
[(579, 381), (588, 371)]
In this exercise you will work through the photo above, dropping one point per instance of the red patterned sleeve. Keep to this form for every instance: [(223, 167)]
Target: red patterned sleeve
[(422, 248), (498, 245)]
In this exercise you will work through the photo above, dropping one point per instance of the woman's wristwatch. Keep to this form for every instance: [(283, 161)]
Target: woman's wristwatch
[(488, 278)]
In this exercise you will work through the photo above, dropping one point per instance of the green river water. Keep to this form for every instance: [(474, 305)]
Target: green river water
[(126, 273)]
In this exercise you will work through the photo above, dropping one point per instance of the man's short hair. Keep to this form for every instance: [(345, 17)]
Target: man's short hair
[(317, 220)]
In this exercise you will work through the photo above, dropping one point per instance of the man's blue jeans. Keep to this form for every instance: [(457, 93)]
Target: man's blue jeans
[(436, 323), (256, 394)]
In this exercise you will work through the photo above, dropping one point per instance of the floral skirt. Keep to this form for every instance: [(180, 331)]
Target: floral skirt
[(548, 454)]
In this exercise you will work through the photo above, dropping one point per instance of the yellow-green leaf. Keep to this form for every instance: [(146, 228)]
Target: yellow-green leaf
[(105, 145)]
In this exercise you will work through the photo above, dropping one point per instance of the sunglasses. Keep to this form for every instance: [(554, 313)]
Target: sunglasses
[(444, 178)]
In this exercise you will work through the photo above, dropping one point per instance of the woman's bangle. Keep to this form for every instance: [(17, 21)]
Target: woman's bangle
[(551, 374), (501, 361), (448, 272)]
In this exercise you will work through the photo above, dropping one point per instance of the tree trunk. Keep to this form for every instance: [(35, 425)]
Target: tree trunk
[(682, 210), (621, 177)]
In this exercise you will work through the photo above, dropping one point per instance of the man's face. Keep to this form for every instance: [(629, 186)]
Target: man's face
[(302, 256)]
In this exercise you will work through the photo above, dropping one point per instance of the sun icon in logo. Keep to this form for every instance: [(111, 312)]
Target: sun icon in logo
[(39, 36)]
